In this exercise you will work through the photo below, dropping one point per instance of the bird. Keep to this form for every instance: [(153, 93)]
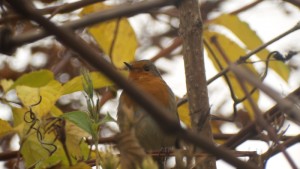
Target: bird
[(145, 75)]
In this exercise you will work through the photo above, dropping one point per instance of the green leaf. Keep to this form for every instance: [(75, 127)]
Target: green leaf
[(87, 83), (118, 33), (81, 119), (74, 85), (107, 118), (249, 37), (34, 79)]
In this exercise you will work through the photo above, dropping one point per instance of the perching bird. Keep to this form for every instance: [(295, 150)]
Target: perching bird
[(146, 76)]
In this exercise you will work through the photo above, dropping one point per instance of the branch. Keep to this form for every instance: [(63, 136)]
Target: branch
[(273, 151), (250, 130), (8, 155), (294, 2), (244, 8), (91, 19), (65, 8), (258, 114), (176, 43), (191, 30), (244, 58), (288, 106), (221, 136)]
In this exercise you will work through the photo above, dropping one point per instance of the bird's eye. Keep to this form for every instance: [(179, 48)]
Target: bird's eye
[(147, 68)]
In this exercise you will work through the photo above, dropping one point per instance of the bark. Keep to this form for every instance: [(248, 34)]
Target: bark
[(191, 34)]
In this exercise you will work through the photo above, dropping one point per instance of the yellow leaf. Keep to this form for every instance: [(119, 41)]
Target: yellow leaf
[(46, 95), (6, 84), (35, 151), (75, 84), (32, 151), (184, 114), (77, 147), (34, 79), (19, 124), (109, 159), (53, 162), (117, 32), (232, 52), (56, 112), (5, 128), (80, 165), (249, 37)]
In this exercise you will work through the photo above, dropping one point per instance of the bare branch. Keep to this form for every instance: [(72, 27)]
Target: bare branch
[(250, 130), (289, 106), (259, 117), (91, 19)]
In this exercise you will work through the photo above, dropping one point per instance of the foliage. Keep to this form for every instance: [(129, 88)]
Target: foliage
[(57, 135)]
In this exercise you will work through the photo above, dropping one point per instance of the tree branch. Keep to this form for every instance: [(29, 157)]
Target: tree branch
[(67, 7), (192, 41), (91, 19), (250, 130)]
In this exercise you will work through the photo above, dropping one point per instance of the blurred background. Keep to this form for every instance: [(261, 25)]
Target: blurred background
[(155, 31)]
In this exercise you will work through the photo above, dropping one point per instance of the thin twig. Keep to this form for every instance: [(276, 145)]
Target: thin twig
[(289, 106), (244, 58), (111, 49), (273, 151), (258, 115), (64, 8), (294, 2), (232, 94), (91, 19), (176, 43), (250, 131), (244, 8)]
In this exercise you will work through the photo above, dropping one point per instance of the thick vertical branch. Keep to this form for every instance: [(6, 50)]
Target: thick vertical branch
[(191, 33)]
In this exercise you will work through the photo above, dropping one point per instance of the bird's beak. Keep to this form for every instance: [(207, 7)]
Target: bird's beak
[(128, 65)]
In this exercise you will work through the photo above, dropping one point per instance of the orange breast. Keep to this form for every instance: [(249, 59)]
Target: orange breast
[(156, 87)]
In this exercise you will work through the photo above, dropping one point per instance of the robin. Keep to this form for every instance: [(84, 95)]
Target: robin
[(149, 135)]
